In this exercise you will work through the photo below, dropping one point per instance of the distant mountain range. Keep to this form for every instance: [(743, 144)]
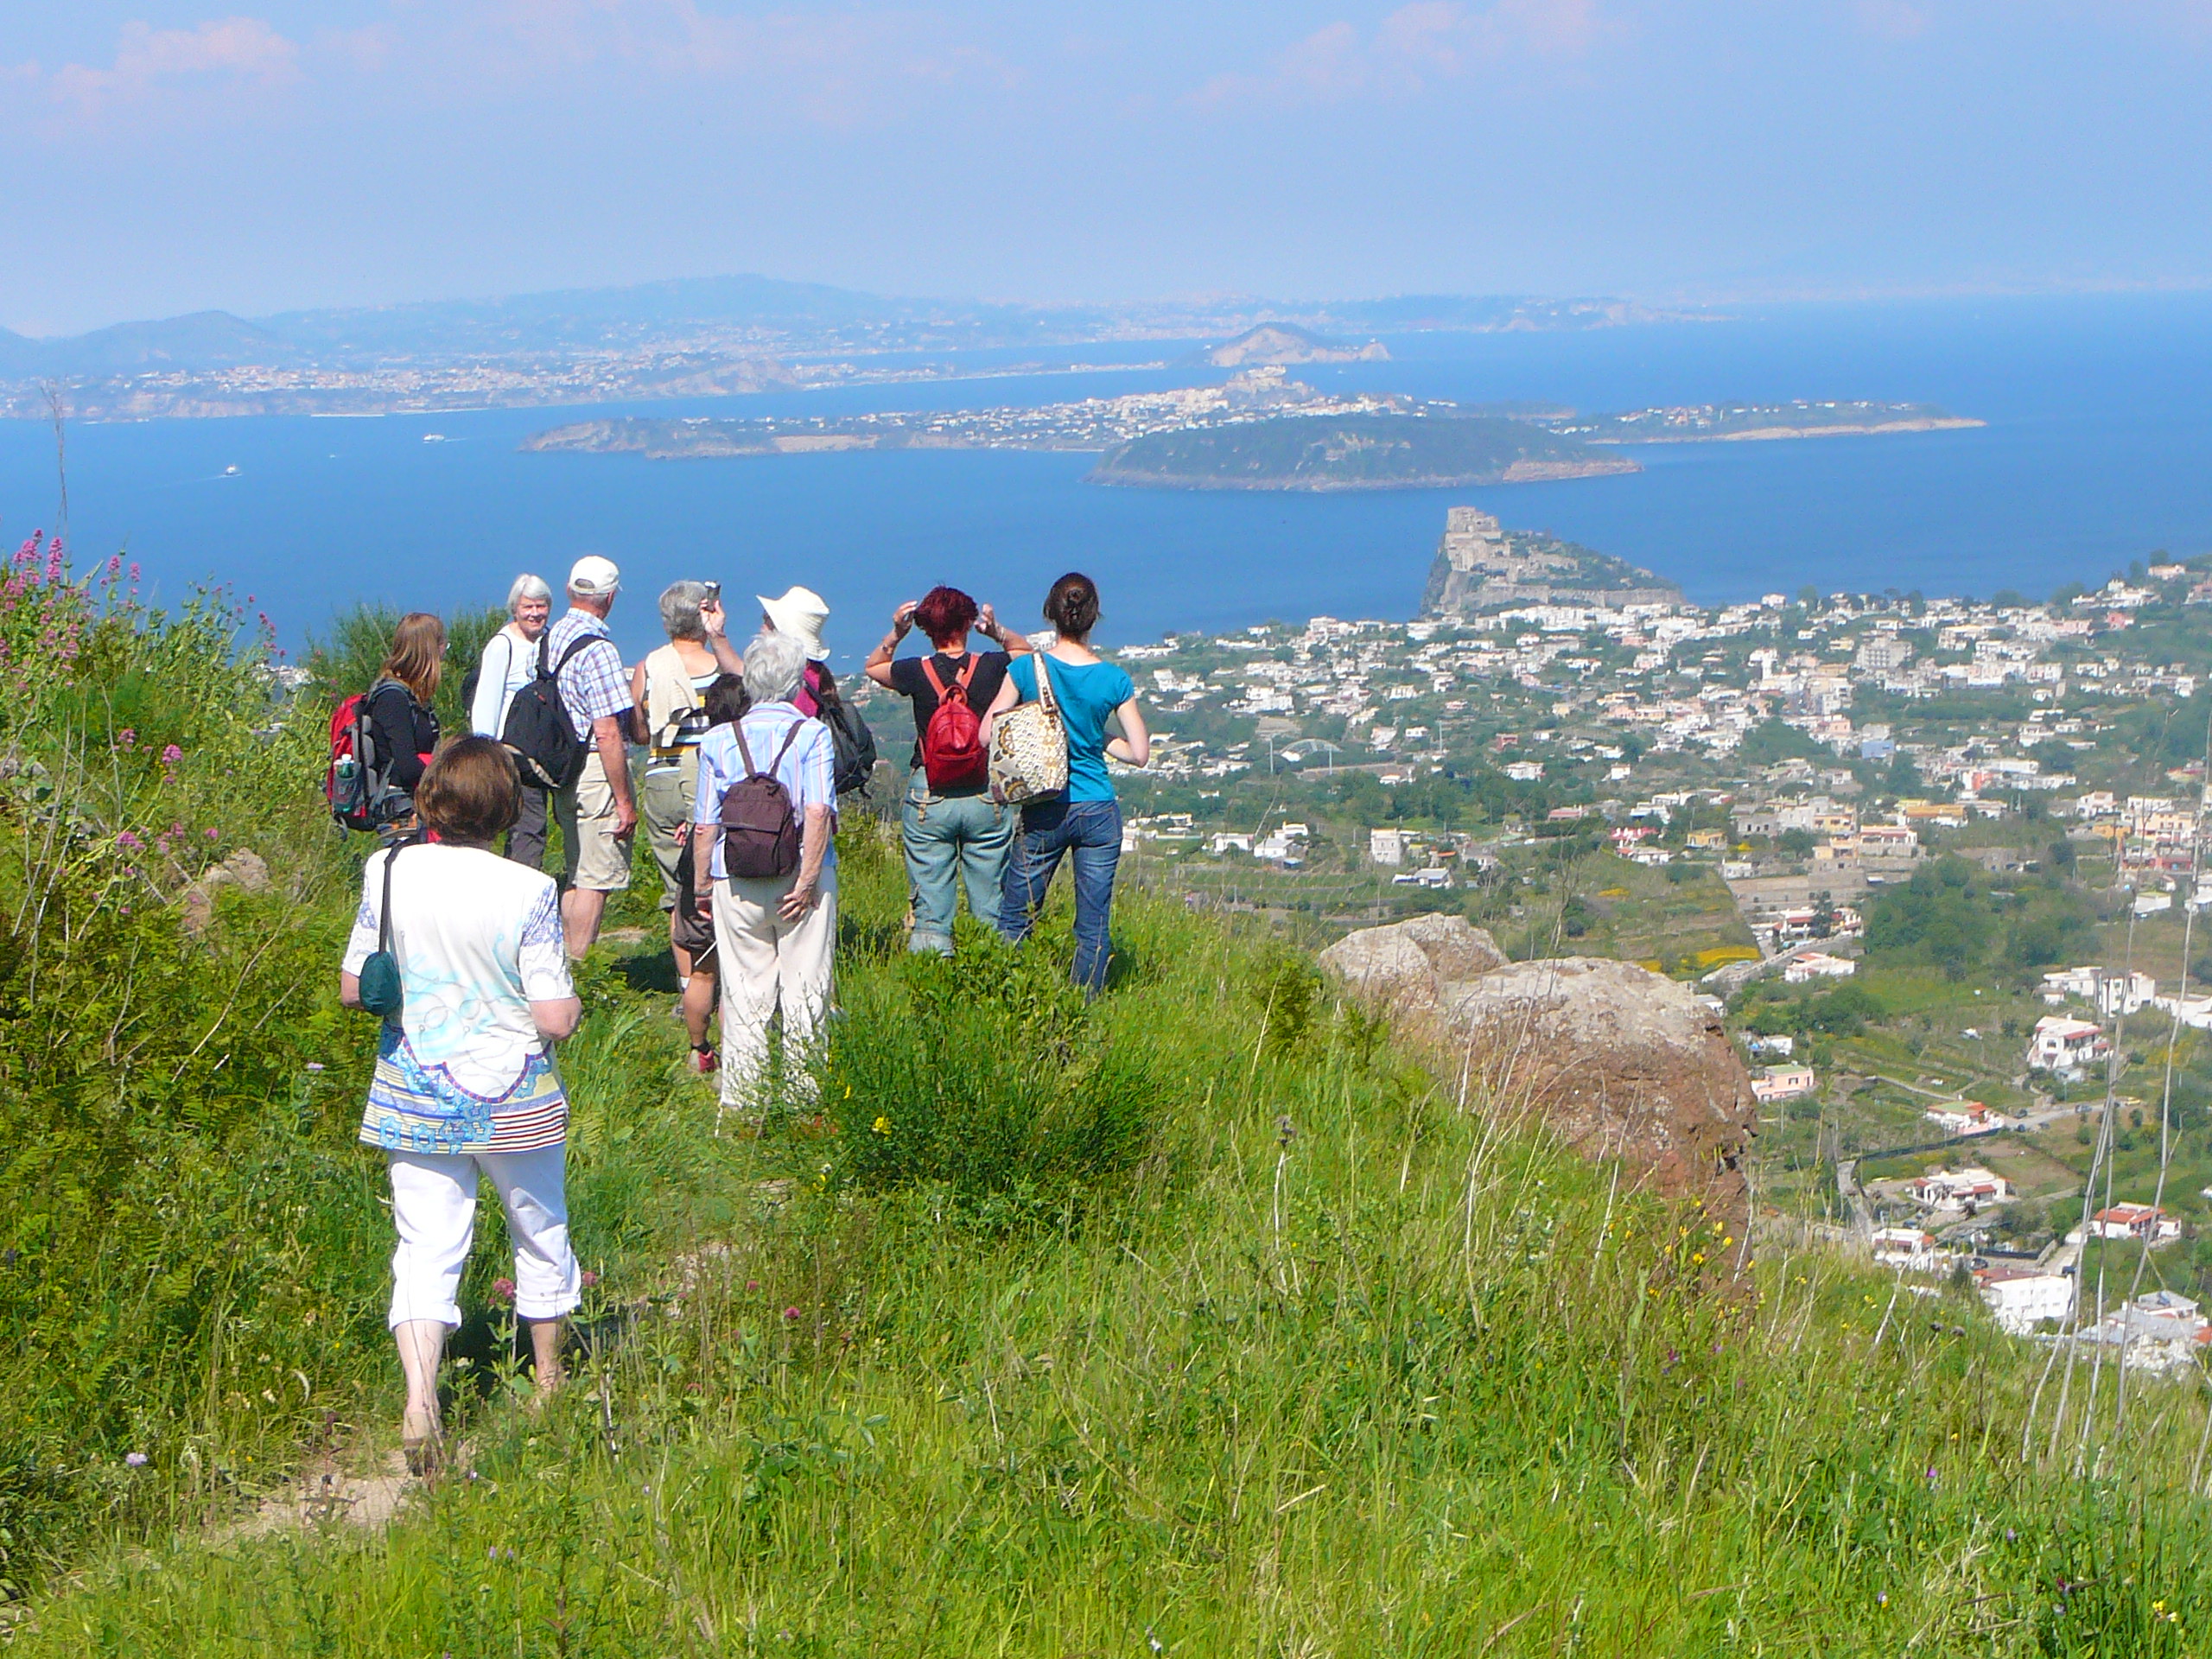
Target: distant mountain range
[(738, 316)]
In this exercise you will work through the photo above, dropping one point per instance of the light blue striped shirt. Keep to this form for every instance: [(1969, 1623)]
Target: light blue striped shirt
[(808, 770)]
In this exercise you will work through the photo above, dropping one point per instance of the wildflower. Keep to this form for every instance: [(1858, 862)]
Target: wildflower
[(171, 754), (314, 1065), (129, 843), (1881, 1598), (213, 834), (590, 1278), (753, 1284), (2010, 1537), (135, 1460), (127, 738), (504, 1289), (882, 1125), (791, 1312)]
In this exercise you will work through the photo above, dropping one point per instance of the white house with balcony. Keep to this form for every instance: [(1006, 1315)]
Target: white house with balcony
[(2059, 1044)]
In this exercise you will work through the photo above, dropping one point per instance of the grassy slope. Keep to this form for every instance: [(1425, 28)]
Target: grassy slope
[(1388, 1380)]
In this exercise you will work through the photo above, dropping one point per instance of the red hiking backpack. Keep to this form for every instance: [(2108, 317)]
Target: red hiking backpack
[(952, 743), (355, 783)]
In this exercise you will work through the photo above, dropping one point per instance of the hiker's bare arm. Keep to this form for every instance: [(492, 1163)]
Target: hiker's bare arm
[(813, 848), (558, 1019), (1133, 746)]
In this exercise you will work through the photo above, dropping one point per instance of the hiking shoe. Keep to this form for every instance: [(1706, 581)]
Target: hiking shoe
[(704, 1061)]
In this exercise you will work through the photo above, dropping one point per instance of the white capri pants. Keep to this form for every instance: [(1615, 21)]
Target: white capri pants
[(434, 1205), (770, 965)]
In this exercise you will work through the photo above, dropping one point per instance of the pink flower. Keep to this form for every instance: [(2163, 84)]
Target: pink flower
[(504, 1289), (127, 738), (129, 843), (791, 1312), (590, 1278), (213, 834), (171, 755)]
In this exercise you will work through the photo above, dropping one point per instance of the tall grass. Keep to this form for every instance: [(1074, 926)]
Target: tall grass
[(1318, 1365), (1197, 1320)]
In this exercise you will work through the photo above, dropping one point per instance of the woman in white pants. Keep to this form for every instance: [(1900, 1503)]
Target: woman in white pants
[(777, 935), (464, 1085)]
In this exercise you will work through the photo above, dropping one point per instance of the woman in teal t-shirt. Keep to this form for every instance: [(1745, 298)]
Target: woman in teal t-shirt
[(1085, 823)]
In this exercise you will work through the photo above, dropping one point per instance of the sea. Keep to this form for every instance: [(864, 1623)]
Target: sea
[(2097, 452)]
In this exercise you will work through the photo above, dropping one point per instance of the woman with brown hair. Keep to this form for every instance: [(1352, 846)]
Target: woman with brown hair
[(401, 721), (1084, 823), (464, 1085)]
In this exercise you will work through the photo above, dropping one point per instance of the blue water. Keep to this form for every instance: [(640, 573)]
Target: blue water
[(2096, 452)]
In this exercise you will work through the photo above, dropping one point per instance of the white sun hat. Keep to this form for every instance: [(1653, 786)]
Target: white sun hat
[(799, 612)]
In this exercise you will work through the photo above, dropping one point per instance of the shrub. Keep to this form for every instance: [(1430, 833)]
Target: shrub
[(987, 1076)]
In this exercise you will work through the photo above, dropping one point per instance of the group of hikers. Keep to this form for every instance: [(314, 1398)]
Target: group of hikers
[(462, 943)]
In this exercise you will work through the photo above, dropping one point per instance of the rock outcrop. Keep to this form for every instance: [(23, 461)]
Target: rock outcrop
[(242, 869), (1618, 1061)]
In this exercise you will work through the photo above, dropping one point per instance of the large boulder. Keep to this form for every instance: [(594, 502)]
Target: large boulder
[(1617, 1061), (1405, 970)]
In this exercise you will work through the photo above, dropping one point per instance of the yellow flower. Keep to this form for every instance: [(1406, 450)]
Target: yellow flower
[(881, 1125)]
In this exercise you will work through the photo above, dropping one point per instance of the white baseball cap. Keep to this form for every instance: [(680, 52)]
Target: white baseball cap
[(800, 613), (594, 577)]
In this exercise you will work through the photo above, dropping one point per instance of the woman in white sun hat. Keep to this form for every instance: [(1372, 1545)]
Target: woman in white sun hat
[(798, 613)]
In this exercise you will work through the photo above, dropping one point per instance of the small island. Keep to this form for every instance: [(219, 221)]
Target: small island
[(1757, 422), (1357, 452), (1482, 567)]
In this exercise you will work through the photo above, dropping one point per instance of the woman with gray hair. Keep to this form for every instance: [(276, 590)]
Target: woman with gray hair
[(669, 689), (509, 663), (775, 933)]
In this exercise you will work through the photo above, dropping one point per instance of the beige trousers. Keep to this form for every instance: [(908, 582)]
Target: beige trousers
[(771, 966)]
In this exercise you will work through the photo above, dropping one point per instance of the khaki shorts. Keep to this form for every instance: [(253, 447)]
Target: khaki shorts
[(597, 861)]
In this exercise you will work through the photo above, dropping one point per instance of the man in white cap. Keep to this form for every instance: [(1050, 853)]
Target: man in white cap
[(597, 813), (800, 614)]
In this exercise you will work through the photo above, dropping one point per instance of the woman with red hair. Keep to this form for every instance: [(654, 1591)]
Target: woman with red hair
[(953, 830)]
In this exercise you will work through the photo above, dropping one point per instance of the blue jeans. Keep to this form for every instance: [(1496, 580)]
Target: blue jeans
[(1092, 830), (949, 837)]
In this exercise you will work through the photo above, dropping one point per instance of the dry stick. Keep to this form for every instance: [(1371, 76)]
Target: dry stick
[(2099, 1158), (2112, 1110), (2166, 1092)]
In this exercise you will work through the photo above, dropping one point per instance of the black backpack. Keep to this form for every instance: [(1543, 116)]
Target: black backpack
[(854, 745), (538, 728), (760, 835)]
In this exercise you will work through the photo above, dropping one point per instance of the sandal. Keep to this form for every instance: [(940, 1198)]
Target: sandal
[(423, 1444)]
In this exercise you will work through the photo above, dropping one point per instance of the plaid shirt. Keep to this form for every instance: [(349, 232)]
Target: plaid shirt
[(593, 685), (808, 771)]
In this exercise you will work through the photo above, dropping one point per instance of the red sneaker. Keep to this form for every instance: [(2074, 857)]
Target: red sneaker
[(704, 1061)]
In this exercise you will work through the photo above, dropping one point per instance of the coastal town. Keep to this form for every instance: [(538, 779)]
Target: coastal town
[(1936, 860)]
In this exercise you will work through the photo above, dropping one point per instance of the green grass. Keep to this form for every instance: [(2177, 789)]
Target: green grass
[(1270, 1381), (1197, 1317)]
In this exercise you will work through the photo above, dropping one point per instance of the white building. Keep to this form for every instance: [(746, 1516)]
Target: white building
[(1906, 1248), (1386, 846), (1959, 1189), (1818, 964), (2021, 1297), (1964, 1117), (2058, 1043), (2138, 1221)]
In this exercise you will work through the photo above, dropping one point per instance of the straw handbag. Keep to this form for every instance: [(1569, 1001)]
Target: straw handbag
[(1029, 747)]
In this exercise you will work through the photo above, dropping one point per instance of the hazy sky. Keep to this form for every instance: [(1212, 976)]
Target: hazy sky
[(164, 155)]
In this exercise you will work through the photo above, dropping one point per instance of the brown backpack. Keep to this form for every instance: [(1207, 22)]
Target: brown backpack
[(760, 836)]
